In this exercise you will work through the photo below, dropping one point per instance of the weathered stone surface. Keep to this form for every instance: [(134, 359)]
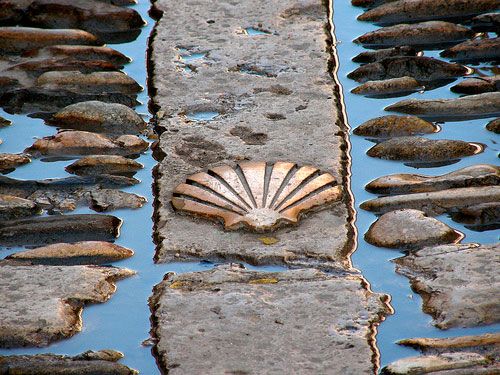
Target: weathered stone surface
[(419, 67), (19, 39), (494, 126), (409, 229), (276, 84), (457, 283), (475, 175), (429, 344), (395, 126), (474, 50), (373, 56), (388, 87), (232, 313), (70, 254), (484, 216), (431, 34), (9, 162), (94, 116), (60, 67), (468, 107), (422, 149), (89, 15), (477, 85), (486, 22), (104, 164), (102, 362), (14, 207), (59, 228), (425, 10), (435, 202), (85, 143), (42, 304), (107, 200)]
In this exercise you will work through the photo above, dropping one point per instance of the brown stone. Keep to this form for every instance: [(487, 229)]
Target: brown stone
[(472, 86), (104, 200), (104, 164), (486, 22), (474, 50), (424, 343), (9, 162), (4, 122), (389, 87), (61, 66), (494, 126), (14, 207), (483, 216), (395, 126), (409, 229), (373, 56), (70, 254)]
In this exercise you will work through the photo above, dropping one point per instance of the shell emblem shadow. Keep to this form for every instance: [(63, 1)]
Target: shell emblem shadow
[(256, 195)]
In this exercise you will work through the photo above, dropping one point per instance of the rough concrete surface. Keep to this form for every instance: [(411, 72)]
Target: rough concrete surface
[(458, 283), (247, 322), (41, 304), (275, 84)]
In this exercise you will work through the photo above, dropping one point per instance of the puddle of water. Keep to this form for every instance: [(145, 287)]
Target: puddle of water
[(186, 58), (251, 31), (202, 116), (408, 320)]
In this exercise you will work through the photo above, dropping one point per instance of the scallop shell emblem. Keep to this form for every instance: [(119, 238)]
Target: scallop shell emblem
[(256, 195)]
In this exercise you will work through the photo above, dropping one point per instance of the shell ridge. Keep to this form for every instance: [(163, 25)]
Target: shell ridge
[(206, 203), (267, 181), (229, 187), (300, 186), (307, 196), (244, 182), (285, 182), (308, 203)]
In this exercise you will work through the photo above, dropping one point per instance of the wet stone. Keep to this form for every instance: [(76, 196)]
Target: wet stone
[(3, 121), (232, 312), (431, 34), (381, 54), (9, 162), (18, 39), (389, 87), (468, 107), (475, 175), (480, 217), (74, 143), (419, 67), (486, 22), (435, 202), (478, 85), (104, 164), (409, 229), (395, 126), (456, 283), (59, 228), (70, 254), (12, 207), (43, 304), (59, 67), (421, 149), (474, 51), (102, 362), (95, 116), (107, 200), (494, 126), (425, 10)]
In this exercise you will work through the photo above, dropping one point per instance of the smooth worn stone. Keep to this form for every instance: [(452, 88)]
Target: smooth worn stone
[(9, 162), (276, 85), (59, 228), (389, 87), (435, 202), (489, 22), (477, 85), (82, 53), (107, 200), (232, 312), (456, 282), (12, 11), (429, 344), (480, 217), (373, 56), (431, 34), (494, 126), (419, 67), (468, 107), (87, 363), (12, 207), (474, 51), (18, 39), (43, 304), (426, 10), (475, 175), (95, 116), (61, 67), (422, 149), (395, 126), (93, 16), (73, 142), (104, 164), (70, 254), (92, 83), (4, 122), (409, 229)]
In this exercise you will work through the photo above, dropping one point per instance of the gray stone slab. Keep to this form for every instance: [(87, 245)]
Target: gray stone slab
[(276, 85), (233, 321), (42, 304)]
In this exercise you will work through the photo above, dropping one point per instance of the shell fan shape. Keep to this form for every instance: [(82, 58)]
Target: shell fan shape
[(256, 195)]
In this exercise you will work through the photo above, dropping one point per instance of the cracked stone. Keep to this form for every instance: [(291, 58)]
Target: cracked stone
[(9, 162), (14, 207)]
